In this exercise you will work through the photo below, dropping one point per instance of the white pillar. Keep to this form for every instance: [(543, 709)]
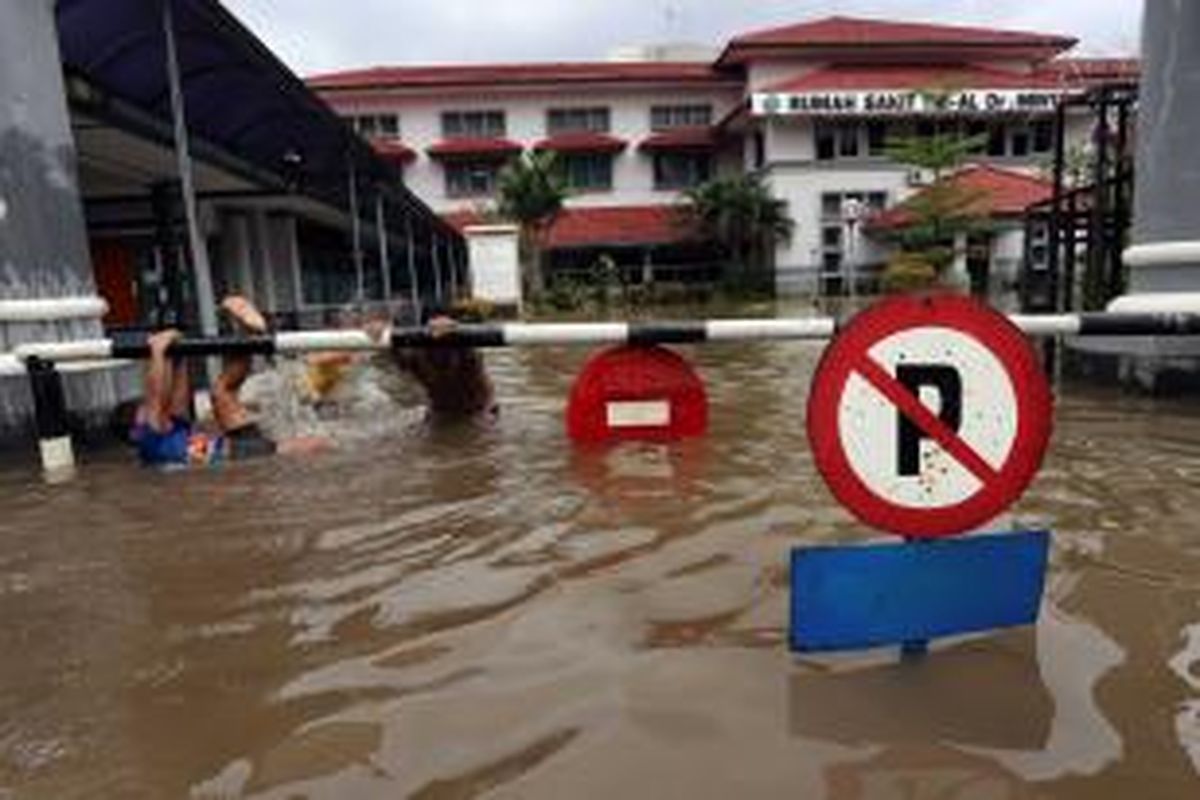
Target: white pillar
[(959, 277), (264, 261), (494, 263)]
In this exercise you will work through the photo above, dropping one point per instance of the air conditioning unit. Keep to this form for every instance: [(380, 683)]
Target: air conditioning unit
[(920, 177)]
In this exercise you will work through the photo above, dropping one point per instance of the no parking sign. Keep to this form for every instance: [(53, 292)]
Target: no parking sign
[(929, 416)]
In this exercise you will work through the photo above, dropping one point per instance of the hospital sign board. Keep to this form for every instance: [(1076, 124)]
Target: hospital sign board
[(906, 102)]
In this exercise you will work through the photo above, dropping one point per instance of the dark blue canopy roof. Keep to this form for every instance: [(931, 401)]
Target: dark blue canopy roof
[(239, 96)]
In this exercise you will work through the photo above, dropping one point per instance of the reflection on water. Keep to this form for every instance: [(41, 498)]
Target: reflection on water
[(454, 613)]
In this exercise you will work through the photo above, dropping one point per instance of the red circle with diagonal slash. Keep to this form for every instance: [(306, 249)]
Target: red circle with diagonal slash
[(848, 355)]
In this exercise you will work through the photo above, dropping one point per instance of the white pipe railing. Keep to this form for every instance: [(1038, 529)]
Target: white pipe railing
[(52, 309)]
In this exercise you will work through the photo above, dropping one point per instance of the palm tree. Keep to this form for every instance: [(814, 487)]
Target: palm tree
[(742, 216), (531, 191)]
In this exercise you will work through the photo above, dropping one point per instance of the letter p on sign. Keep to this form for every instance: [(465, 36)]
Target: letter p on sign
[(929, 416)]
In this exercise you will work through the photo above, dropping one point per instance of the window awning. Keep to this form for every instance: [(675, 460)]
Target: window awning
[(582, 142), (474, 147), (394, 151), (696, 139)]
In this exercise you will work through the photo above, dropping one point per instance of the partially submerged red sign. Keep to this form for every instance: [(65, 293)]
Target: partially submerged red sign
[(929, 416), (637, 393)]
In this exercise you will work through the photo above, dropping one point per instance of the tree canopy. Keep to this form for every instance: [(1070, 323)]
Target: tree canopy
[(741, 215)]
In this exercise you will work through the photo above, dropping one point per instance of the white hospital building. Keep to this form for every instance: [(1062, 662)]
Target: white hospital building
[(808, 106)]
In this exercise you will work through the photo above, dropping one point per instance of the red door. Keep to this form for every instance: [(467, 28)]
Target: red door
[(113, 265)]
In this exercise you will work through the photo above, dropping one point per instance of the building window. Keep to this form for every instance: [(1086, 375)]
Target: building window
[(848, 141), (459, 124), (577, 120), (832, 204), (1043, 136), (370, 126), (877, 139), (760, 150), (1021, 142), (826, 144), (997, 141), (684, 116), (852, 140), (588, 172), (681, 170), (471, 178)]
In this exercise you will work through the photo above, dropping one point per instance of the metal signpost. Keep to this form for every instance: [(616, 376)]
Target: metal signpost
[(928, 417)]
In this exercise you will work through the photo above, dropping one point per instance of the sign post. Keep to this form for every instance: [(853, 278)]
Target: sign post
[(928, 417)]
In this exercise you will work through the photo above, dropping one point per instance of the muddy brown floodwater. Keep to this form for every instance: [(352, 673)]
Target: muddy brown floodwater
[(493, 613)]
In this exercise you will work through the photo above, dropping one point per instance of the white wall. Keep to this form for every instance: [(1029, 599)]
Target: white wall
[(762, 75), (633, 174), (797, 263)]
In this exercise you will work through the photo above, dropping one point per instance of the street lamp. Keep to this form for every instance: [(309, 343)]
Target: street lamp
[(852, 213)]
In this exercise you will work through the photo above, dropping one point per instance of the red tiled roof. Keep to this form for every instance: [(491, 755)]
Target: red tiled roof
[(617, 225), (692, 138), (1084, 72), (474, 146), (858, 31), (582, 142), (842, 32), (394, 150), (611, 226), (517, 74), (868, 76), (999, 193)]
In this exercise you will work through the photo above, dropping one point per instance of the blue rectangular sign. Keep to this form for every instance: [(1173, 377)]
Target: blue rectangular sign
[(859, 596)]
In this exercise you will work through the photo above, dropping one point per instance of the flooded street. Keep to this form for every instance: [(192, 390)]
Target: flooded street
[(464, 613)]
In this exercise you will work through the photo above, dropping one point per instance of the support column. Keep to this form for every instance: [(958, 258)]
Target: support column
[(263, 261), (1164, 262), (1168, 161), (292, 236), (360, 294), (440, 294), (414, 282), (43, 238), (385, 263), (198, 248), (238, 226)]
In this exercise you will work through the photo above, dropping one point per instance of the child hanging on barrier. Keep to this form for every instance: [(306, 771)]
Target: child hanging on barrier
[(454, 378), (160, 425)]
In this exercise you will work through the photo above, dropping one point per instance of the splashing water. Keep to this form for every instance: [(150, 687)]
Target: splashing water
[(370, 401)]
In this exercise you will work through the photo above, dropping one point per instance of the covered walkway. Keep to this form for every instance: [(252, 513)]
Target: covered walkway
[(268, 191)]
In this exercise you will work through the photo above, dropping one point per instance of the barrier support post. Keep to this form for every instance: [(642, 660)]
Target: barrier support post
[(50, 417), (914, 650)]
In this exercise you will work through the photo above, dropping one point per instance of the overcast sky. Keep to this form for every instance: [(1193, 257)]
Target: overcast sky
[(323, 35)]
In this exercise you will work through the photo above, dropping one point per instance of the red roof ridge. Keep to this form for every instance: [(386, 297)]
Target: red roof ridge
[(612, 226), (979, 166), (416, 75), (837, 29)]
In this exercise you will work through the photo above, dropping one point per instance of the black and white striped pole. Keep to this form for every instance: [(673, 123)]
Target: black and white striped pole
[(134, 346), (50, 418)]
